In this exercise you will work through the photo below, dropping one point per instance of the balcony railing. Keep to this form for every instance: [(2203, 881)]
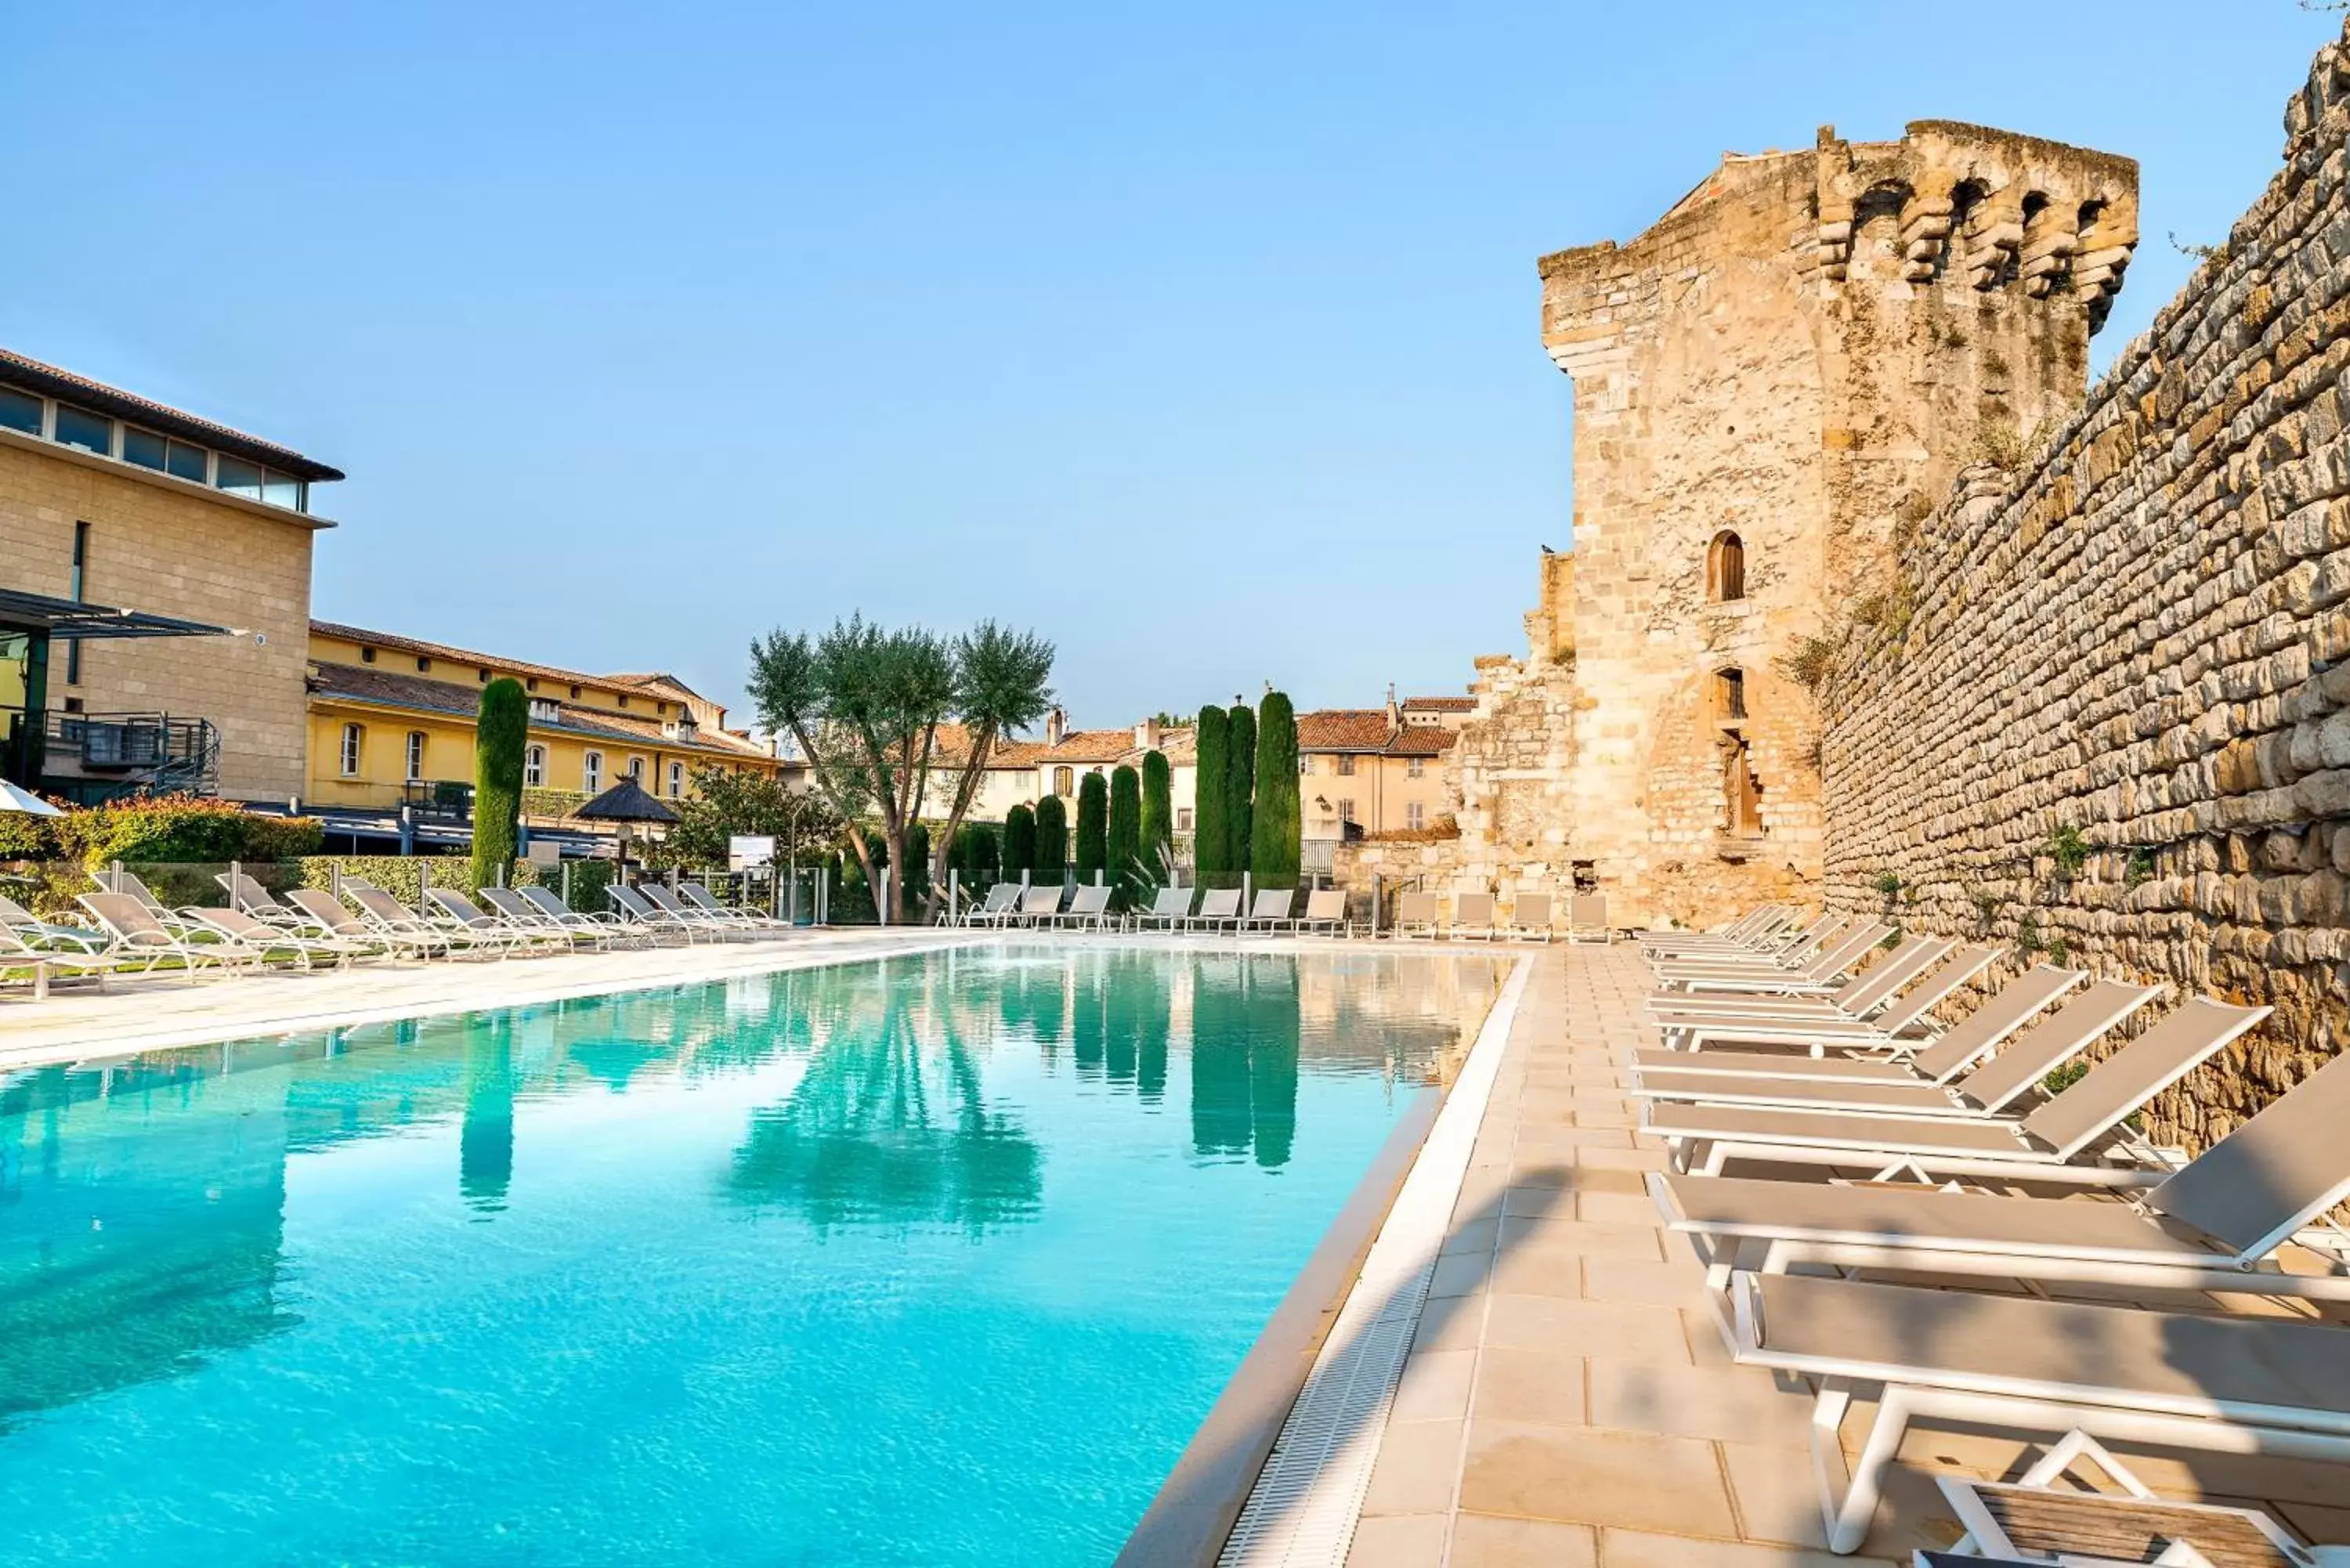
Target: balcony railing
[(100, 755)]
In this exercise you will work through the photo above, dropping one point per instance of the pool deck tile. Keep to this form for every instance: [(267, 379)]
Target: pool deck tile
[(1570, 1402)]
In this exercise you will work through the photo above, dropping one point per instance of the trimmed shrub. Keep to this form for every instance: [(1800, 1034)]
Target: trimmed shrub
[(1157, 851), (1125, 855), (1093, 825), (501, 731), (1052, 839), (1019, 840), (1212, 815), (1240, 798), (1276, 830)]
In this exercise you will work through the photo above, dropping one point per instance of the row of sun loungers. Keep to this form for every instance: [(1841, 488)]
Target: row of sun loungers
[(1907, 1180), (131, 930), (1050, 906)]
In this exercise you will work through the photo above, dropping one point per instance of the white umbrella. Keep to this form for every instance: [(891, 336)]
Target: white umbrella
[(15, 799)]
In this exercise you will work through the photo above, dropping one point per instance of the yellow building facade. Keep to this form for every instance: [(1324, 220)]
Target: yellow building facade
[(392, 724)]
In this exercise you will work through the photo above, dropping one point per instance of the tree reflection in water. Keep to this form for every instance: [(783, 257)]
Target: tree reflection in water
[(1244, 1047), (485, 1139), (884, 1130)]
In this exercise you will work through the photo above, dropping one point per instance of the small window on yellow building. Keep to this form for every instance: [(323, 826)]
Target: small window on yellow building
[(591, 772), (415, 755), (676, 780), (1415, 767), (533, 766), (352, 735)]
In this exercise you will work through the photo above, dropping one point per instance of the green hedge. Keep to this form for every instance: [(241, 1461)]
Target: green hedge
[(156, 829)]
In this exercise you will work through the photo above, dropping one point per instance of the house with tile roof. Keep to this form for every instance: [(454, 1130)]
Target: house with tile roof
[(392, 724), (1365, 771)]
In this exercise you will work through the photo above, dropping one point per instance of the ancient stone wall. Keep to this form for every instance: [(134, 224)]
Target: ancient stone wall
[(2106, 709)]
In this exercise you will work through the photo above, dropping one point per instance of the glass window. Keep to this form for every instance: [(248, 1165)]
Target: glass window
[(1346, 810), (676, 779), (423, 664), (79, 427), (1415, 817), (591, 772), (415, 754), (281, 489), (19, 411), (238, 477), (533, 766), (144, 448), (1304, 765), (1414, 767), (185, 462), (1183, 820), (1346, 766), (366, 656), (351, 733), (637, 771)]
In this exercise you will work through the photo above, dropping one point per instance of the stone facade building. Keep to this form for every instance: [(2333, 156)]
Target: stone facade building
[(2113, 720), (1773, 387)]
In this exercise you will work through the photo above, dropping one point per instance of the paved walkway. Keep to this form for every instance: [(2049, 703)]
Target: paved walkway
[(1568, 1402), (153, 1011)]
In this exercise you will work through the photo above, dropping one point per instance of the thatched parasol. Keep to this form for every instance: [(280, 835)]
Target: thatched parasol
[(624, 802)]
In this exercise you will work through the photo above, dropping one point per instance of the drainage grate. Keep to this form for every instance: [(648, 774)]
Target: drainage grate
[(1301, 1512)]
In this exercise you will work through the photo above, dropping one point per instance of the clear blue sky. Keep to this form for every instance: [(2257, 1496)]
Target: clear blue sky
[(1200, 338)]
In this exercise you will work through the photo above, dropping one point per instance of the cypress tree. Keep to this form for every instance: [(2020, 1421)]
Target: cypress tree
[(1093, 826), (1157, 853), (1211, 818), (1276, 850), (1240, 771), (1052, 839), (983, 852), (501, 731), (1019, 840), (1125, 830)]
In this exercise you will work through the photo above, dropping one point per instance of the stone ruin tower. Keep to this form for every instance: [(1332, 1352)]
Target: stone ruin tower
[(1773, 386)]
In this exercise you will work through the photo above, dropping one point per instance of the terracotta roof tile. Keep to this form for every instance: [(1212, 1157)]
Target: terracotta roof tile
[(1343, 729), (667, 685), (1438, 704), (388, 689)]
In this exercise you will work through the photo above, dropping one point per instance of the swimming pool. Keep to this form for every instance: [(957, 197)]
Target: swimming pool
[(937, 1259)]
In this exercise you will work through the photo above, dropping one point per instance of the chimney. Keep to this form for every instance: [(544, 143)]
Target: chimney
[(1056, 724), (1395, 713), (1146, 734)]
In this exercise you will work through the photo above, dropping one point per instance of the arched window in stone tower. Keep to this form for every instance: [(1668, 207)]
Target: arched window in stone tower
[(1725, 568)]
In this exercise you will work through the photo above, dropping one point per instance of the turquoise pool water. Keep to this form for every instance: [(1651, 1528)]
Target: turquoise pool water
[(938, 1260)]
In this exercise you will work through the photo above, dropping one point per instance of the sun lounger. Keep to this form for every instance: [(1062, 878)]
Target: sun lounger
[(1717, 1013), (1089, 908), (1586, 917), (608, 926), (2232, 1385), (1416, 915), (252, 899), (701, 898), (1529, 918), (520, 914), (1270, 909), (2057, 1511), (383, 913), (1749, 930), (1880, 1055), (1219, 908), (1001, 905), (1987, 1090), (669, 904), (1821, 975), (128, 883), (455, 905), (634, 908), (36, 933), (2074, 1123), (136, 932), (1169, 907), (1786, 946), (259, 935), (2214, 1225), (1326, 914), (323, 914), (42, 964), (1040, 903), (1472, 916)]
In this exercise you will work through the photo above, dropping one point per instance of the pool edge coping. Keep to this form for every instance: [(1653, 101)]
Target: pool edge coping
[(1196, 1508)]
